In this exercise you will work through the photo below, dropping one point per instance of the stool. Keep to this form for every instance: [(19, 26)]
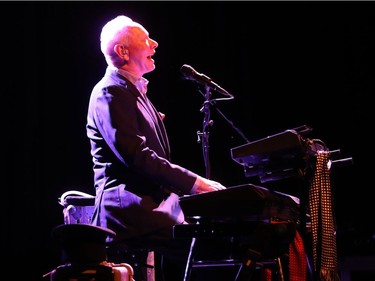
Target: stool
[(84, 255), (78, 209)]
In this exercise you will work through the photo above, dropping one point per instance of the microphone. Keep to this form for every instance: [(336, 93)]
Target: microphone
[(190, 73)]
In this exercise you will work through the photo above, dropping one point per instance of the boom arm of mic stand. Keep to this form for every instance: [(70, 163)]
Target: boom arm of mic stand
[(232, 125)]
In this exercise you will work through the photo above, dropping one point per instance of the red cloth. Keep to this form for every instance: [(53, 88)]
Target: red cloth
[(297, 260), (267, 274)]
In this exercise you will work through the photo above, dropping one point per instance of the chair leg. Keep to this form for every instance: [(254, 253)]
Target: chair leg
[(280, 269), (150, 266), (274, 270)]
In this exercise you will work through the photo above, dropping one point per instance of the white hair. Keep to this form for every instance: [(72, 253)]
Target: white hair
[(112, 32)]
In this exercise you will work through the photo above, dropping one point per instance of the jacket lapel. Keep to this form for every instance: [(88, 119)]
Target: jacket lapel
[(150, 109)]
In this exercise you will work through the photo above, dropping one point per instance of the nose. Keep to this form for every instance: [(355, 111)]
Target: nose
[(154, 44)]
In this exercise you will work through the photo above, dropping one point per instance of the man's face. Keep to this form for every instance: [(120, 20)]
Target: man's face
[(141, 49)]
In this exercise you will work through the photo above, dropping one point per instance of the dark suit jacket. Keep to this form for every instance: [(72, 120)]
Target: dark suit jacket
[(133, 175)]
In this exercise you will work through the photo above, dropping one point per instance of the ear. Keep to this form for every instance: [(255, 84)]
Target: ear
[(120, 50)]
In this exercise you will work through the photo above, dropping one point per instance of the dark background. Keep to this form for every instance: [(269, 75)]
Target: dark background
[(286, 63)]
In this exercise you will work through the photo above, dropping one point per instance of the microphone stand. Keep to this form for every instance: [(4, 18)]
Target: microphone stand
[(205, 134), (207, 122), (203, 137)]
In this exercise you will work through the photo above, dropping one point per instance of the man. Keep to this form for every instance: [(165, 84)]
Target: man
[(137, 186)]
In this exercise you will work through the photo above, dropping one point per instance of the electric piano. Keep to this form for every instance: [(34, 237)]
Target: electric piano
[(235, 211), (283, 155), (241, 203), (238, 226)]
